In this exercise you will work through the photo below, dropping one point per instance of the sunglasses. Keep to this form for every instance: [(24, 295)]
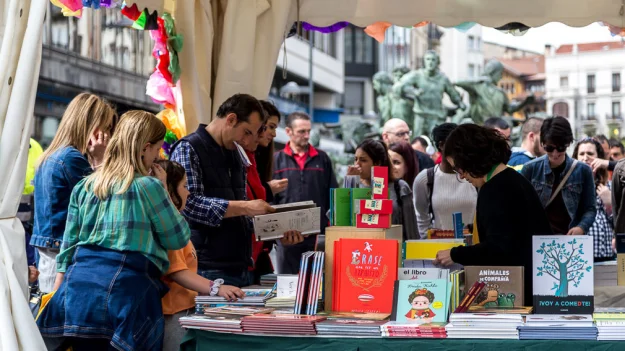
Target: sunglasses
[(551, 148)]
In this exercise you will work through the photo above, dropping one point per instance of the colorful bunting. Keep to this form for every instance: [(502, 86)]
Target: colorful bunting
[(329, 29), (377, 30), (614, 30)]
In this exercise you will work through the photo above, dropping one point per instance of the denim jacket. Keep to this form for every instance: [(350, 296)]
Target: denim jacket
[(578, 192), (54, 181)]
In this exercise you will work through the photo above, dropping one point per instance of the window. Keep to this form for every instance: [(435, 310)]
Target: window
[(590, 82), (616, 82), (348, 32), (561, 109), (564, 82), (471, 42), (616, 109), (353, 98), (591, 110), (471, 72)]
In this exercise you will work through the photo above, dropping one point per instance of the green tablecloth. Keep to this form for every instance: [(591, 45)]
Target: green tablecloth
[(196, 340)]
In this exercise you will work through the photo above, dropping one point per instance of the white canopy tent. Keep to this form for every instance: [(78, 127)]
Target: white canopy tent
[(230, 46)]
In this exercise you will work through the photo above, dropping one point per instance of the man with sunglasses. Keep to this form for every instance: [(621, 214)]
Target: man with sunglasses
[(217, 208), (311, 176), (566, 187), (396, 130)]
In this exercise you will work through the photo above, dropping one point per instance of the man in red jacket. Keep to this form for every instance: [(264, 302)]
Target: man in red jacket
[(310, 176)]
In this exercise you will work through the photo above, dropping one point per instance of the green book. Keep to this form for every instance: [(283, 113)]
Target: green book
[(357, 195), (341, 207)]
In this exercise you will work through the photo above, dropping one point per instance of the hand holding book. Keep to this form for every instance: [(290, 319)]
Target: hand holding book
[(443, 258)]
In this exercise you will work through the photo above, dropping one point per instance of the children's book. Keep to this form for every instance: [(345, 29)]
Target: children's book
[(422, 273), (365, 272), (421, 301), (563, 274), (504, 285)]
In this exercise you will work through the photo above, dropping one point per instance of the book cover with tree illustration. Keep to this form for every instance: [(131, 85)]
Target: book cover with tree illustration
[(563, 274), (504, 285)]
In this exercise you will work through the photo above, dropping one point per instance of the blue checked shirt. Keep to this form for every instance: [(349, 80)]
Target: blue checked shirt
[(201, 209)]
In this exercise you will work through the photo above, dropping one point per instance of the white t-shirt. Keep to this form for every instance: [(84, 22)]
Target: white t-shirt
[(450, 196)]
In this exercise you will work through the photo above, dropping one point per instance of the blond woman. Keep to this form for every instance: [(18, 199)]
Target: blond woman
[(120, 225), (76, 150)]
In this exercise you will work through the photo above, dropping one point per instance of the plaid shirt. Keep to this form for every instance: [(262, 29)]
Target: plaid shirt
[(201, 209), (602, 232), (142, 219)]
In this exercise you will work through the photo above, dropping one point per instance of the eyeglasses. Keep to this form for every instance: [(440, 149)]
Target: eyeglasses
[(403, 134), (459, 173), (551, 148)]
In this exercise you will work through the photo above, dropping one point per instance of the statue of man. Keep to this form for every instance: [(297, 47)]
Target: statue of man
[(382, 84), (426, 87), (487, 99), (401, 105)]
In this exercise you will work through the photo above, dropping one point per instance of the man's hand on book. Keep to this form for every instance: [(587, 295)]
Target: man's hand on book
[(258, 207), (292, 237), (443, 258)]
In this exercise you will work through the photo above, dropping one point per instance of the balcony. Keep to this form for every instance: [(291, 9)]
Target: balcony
[(612, 118)]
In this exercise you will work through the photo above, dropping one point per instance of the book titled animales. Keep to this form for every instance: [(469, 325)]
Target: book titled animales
[(504, 285)]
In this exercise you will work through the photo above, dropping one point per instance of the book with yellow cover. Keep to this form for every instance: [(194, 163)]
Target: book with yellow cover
[(427, 249)]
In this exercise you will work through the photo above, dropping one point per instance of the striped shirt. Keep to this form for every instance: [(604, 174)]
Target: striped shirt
[(142, 219)]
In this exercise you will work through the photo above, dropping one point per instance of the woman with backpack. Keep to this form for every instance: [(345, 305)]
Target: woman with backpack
[(438, 193)]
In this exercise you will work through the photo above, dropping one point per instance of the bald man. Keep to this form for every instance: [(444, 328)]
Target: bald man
[(396, 130)]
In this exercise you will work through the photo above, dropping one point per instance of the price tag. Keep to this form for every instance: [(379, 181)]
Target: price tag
[(375, 205), (378, 185), (370, 219), (287, 285)]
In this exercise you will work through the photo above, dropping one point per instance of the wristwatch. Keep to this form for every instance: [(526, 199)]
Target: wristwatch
[(215, 287)]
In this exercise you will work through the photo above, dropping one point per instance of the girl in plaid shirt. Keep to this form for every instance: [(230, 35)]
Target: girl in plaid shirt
[(602, 230), (120, 224)]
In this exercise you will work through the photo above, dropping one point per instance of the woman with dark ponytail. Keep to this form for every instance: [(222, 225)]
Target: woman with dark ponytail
[(374, 153)]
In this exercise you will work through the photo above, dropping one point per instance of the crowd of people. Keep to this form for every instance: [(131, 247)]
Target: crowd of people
[(124, 240)]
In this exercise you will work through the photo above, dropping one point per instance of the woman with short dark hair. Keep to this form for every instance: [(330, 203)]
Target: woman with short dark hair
[(570, 206), (509, 212), (374, 153)]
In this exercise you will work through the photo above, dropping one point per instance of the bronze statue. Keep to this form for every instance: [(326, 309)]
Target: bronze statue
[(382, 85), (487, 99), (425, 87)]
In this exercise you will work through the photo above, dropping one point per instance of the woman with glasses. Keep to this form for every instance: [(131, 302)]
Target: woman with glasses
[(509, 212), (438, 193), (602, 230), (565, 186), (374, 153)]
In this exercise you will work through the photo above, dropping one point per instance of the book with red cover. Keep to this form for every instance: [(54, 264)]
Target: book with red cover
[(375, 207), (373, 221), (366, 274), (379, 183)]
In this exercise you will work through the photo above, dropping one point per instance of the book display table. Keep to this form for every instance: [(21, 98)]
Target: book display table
[(196, 340)]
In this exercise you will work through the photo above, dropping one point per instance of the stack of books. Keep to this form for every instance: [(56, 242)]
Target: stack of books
[(353, 324), (221, 319), (280, 324), (412, 330), (558, 327), (268, 279), (281, 303), (253, 297), (610, 323), (484, 326)]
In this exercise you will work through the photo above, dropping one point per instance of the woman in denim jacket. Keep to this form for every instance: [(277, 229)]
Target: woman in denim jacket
[(76, 150), (573, 210)]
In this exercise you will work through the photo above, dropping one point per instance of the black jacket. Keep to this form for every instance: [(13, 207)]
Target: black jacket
[(311, 183), (229, 246)]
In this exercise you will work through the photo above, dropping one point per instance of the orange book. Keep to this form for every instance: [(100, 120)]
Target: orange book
[(366, 274)]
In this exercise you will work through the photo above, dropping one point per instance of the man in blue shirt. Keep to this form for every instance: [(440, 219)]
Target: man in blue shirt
[(530, 147)]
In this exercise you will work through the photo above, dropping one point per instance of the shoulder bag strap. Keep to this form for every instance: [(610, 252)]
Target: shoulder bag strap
[(562, 182)]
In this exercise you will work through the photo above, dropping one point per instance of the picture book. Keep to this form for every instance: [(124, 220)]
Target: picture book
[(422, 273), (563, 274), (427, 249), (421, 301), (365, 272), (504, 285)]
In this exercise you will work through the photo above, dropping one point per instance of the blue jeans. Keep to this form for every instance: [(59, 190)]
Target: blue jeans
[(236, 278), (108, 294)]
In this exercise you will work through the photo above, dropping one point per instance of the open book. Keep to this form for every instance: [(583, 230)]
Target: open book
[(304, 217)]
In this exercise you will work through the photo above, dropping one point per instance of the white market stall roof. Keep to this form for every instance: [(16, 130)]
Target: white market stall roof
[(446, 13)]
